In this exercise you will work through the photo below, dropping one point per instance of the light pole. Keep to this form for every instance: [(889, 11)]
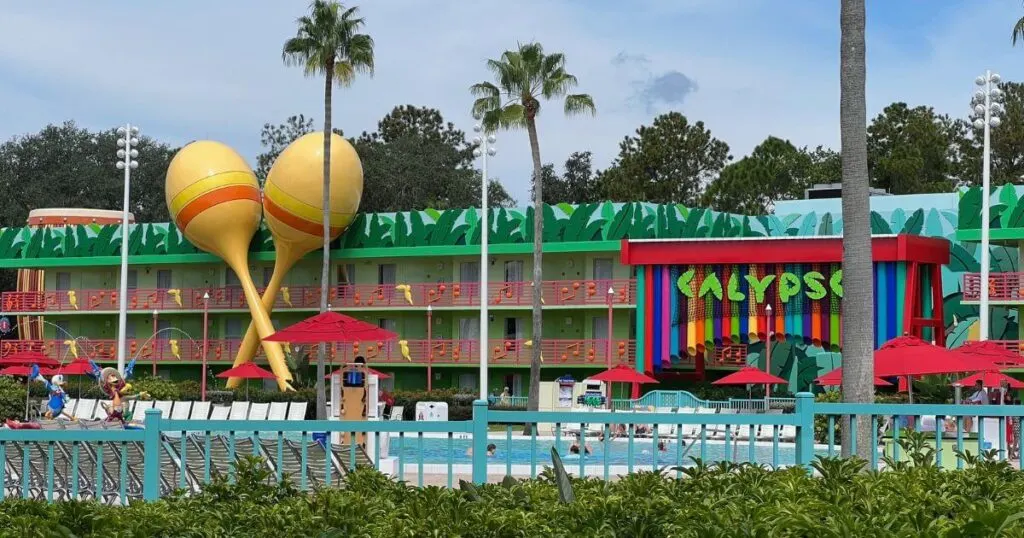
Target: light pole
[(611, 294), (206, 342), (986, 109), (126, 155), (484, 150), (767, 350), (156, 314), (430, 348)]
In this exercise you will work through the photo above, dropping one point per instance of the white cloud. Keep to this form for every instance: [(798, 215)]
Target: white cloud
[(191, 69)]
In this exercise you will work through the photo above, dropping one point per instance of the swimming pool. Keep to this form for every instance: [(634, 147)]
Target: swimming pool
[(617, 452)]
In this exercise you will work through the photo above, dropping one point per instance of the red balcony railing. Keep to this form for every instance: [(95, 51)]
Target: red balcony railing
[(1001, 287), (436, 351), (440, 294)]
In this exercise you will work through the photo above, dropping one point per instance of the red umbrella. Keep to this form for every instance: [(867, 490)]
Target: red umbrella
[(247, 371), (624, 374), (911, 356), (22, 358), (749, 375), (834, 378), (76, 367), (24, 370), (989, 351), (991, 380), (369, 371), (330, 327)]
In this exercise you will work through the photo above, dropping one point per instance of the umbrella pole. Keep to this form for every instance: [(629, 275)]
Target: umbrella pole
[(910, 388)]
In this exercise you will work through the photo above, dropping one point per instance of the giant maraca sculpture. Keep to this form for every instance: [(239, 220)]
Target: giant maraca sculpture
[(214, 199), (292, 201)]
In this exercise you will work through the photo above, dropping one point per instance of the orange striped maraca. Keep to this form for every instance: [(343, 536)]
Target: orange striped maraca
[(292, 201), (214, 199)]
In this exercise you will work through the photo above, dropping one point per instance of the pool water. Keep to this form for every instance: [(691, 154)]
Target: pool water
[(438, 451)]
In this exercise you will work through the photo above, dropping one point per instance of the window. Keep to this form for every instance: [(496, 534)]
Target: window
[(231, 279), (600, 328), (346, 279), (63, 281), (129, 330), (233, 328), (162, 324), (387, 273), (513, 330), (64, 329), (514, 271), (468, 381), (164, 373), (133, 279), (469, 272), (388, 324), (163, 279), (602, 269), (469, 328), (268, 272)]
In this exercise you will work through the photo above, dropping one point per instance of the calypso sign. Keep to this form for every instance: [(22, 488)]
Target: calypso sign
[(813, 284)]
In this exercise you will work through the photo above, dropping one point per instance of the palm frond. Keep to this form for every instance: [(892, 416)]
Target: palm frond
[(558, 83), (579, 103), (1018, 30), (511, 116), (328, 37)]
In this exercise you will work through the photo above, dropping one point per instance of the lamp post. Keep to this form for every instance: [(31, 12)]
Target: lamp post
[(155, 324), (484, 150), (126, 155), (986, 109), (767, 350), (430, 348), (206, 341), (611, 293)]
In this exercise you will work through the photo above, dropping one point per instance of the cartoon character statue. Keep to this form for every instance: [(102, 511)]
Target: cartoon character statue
[(115, 387), (58, 398)]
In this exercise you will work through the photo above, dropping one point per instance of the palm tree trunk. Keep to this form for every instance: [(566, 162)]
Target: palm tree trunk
[(533, 400), (858, 303), (325, 270)]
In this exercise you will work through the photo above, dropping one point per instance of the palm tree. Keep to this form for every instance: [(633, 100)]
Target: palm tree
[(327, 43), (1018, 31), (522, 78), (858, 304)]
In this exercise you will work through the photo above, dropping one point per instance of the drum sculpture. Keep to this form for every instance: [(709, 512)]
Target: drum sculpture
[(214, 199), (292, 202)]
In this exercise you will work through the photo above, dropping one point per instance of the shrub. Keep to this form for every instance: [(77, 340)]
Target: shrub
[(724, 499)]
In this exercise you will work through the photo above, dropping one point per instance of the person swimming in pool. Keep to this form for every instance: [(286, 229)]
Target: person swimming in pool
[(491, 449)]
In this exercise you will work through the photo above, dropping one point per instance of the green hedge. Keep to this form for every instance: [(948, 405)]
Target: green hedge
[(721, 500)]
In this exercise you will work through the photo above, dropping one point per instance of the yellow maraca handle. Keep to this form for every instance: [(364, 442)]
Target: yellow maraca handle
[(275, 356), (251, 341)]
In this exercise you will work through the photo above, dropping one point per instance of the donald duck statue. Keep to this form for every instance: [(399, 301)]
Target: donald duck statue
[(58, 398)]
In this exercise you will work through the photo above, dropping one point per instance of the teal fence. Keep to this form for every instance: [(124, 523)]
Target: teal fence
[(118, 465)]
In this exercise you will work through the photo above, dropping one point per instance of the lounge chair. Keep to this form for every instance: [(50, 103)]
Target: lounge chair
[(717, 431), (85, 408), (220, 412), (278, 411), (181, 410), (200, 411), (239, 411), (259, 411), (665, 430), (140, 407), (397, 412), (297, 411), (164, 406)]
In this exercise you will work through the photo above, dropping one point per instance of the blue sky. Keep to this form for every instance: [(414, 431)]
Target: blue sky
[(748, 68)]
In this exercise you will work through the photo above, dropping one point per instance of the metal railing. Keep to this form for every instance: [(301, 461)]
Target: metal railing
[(1001, 287), (555, 351), (118, 466), (349, 296)]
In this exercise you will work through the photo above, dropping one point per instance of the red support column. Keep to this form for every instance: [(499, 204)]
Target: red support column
[(937, 313), (911, 300)]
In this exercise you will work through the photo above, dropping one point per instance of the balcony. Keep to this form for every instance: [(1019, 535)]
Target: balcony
[(556, 352), (1002, 287), (357, 296)]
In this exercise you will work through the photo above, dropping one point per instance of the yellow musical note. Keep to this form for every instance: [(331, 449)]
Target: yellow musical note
[(72, 299), (406, 290)]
